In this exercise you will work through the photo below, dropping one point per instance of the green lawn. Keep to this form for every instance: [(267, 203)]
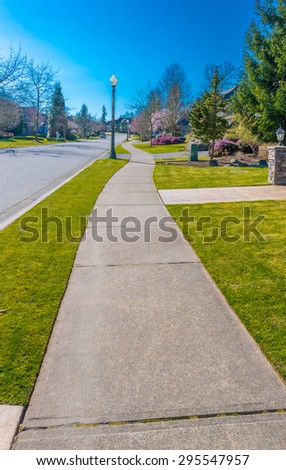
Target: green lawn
[(121, 150), (33, 278), (172, 159), (251, 274), (17, 142), (183, 158), (180, 177), (161, 148)]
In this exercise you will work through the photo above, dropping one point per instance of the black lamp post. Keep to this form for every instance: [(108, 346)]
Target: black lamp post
[(280, 135), (127, 128), (113, 82)]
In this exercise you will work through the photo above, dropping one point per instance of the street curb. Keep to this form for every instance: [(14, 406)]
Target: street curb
[(10, 418)]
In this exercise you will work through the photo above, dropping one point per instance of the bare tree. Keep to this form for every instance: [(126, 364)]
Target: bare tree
[(227, 71), (36, 90), (11, 68), (173, 112), (146, 104), (175, 93), (174, 77)]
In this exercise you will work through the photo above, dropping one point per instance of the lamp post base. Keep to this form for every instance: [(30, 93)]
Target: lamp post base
[(113, 155)]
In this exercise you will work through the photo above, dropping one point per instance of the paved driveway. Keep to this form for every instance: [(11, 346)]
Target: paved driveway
[(31, 173)]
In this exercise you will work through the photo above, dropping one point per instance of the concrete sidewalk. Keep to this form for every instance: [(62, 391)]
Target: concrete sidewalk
[(229, 194), (143, 334)]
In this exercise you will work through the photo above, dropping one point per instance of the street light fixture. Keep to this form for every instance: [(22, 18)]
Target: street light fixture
[(280, 135), (113, 83)]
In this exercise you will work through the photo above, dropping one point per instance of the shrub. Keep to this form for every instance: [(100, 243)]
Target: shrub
[(225, 147), (176, 140), (244, 147), (71, 136), (167, 140), (28, 137), (60, 139)]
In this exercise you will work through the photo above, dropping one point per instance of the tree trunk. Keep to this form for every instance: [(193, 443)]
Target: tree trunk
[(37, 117), (37, 126), (151, 136), (212, 149)]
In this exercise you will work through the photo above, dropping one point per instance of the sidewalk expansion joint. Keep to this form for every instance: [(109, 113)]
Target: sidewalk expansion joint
[(135, 264), (157, 420), (142, 163)]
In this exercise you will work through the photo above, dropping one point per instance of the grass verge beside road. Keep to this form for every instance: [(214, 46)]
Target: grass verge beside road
[(17, 142), (251, 274), (121, 150), (183, 177), (34, 278), (161, 148)]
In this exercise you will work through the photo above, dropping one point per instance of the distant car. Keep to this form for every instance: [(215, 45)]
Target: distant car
[(103, 135)]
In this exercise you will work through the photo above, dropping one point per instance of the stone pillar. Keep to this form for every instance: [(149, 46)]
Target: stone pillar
[(277, 165)]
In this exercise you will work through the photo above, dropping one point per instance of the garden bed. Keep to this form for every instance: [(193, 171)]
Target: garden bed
[(247, 159)]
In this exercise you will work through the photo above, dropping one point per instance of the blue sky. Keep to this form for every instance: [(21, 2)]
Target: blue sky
[(88, 40)]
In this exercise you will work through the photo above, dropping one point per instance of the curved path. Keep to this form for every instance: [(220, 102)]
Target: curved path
[(143, 334)]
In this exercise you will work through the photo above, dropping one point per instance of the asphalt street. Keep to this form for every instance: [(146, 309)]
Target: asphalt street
[(29, 174)]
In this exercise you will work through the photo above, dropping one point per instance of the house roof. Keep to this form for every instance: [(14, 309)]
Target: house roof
[(228, 93)]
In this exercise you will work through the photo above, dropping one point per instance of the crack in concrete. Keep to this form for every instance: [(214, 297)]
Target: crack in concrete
[(158, 420)]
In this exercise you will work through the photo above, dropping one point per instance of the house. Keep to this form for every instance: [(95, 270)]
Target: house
[(28, 126), (229, 93), (183, 126)]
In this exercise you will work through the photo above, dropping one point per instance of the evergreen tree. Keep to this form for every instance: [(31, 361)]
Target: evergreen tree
[(58, 117), (261, 98), (103, 115), (207, 114), (84, 120)]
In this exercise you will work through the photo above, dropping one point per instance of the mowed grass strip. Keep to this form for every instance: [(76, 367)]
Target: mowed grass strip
[(161, 148), (34, 276), (201, 158), (18, 142), (251, 274), (183, 177), (121, 150)]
